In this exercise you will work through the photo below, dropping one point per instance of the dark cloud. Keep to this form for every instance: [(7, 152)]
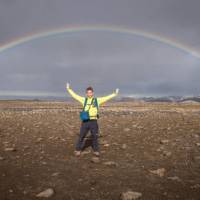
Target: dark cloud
[(104, 60)]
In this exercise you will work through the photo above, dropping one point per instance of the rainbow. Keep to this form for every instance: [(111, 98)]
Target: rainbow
[(115, 29)]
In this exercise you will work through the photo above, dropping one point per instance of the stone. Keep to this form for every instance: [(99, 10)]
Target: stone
[(39, 139), (167, 153), (46, 193), (55, 174), (9, 149), (174, 178), (106, 145), (130, 195), (127, 129), (85, 152), (197, 186), (103, 142), (95, 160), (164, 141), (124, 146), (110, 163), (198, 144), (160, 172), (2, 158)]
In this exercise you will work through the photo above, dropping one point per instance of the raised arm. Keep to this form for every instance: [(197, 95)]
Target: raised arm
[(102, 100), (74, 95)]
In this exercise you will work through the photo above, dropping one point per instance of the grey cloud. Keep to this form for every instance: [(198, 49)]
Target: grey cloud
[(104, 60)]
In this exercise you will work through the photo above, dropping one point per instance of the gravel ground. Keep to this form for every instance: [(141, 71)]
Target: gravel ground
[(150, 150)]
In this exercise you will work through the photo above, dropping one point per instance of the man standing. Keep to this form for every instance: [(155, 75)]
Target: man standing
[(90, 104)]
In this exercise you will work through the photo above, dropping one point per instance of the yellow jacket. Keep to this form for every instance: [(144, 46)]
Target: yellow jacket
[(93, 110)]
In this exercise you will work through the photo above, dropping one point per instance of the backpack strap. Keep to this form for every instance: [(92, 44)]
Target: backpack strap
[(85, 103), (93, 100), (96, 103)]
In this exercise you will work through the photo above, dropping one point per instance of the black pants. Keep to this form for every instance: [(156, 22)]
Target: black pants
[(86, 126)]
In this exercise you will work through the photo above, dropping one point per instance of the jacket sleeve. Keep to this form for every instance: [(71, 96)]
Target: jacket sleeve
[(76, 96), (102, 100)]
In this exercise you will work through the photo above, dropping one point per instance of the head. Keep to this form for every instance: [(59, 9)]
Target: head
[(89, 92)]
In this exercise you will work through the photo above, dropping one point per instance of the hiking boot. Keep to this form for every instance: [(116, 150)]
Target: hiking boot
[(96, 153), (77, 153)]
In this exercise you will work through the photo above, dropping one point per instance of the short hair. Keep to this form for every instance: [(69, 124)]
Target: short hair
[(89, 88)]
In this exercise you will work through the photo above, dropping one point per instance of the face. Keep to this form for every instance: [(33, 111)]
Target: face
[(89, 93)]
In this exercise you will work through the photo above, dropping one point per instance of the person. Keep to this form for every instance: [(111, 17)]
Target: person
[(91, 124)]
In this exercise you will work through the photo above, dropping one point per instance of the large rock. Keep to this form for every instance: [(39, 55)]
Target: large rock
[(130, 195), (46, 193)]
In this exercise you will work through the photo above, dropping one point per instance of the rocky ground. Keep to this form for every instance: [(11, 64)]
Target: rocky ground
[(148, 151)]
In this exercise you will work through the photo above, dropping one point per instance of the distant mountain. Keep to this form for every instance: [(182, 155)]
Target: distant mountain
[(175, 99), (178, 99), (163, 99), (36, 98), (196, 99)]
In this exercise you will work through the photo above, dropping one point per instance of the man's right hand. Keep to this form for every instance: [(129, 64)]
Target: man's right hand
[(117, 91), (67, 86)]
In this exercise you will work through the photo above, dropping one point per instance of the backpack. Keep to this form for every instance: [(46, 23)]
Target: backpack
[(84, 115)]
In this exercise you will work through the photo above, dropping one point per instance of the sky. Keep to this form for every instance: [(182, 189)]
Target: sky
[(104, 59)]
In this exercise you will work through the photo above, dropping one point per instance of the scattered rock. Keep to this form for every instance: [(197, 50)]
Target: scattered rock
[(127, 129), (110, 163), (103, 142), (196, 136), (85, 152), (10, 190), (2, 158), (160, 172), (124, 146), (95, 160), (198, 144), (93, 182), (160, 149), (55, 174), (46, 193), (167, 153), (164, 141), (10, 149), (130, 195), (26, 147), (106, 145), (25, 192), (39, 139), (197, 186), (174, 178)]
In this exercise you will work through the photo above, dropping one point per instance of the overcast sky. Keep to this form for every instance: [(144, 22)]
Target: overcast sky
[(105, 60)]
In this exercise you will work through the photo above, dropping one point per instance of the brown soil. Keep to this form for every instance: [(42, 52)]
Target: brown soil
[(137, 137)]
